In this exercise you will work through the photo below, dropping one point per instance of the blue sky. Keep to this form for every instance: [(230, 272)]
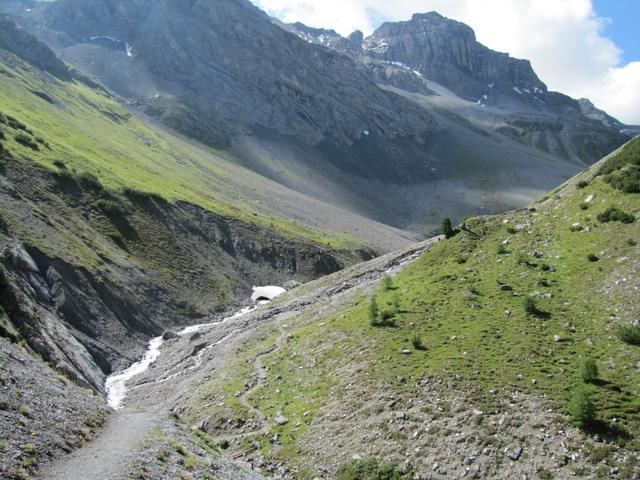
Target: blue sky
[(624, 27)]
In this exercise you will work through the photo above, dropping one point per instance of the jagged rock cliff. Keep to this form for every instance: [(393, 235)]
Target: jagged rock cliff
[(447, 52), (432, 48)]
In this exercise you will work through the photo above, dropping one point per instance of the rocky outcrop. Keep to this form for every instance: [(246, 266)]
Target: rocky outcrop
[(352, 45), (589, 110), (447, 52), (22, 43), (43, 415)]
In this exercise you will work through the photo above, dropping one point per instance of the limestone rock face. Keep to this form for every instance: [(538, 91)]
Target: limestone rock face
[(446, 51), (589, 110)]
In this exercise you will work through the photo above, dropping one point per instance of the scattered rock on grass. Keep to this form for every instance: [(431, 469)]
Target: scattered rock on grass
[(515, 453)]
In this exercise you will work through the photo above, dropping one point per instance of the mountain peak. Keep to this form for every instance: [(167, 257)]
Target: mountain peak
[(446, 51), (428, 15)]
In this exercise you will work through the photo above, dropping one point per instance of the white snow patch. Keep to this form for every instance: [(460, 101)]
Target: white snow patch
[(367, 132), (129, 49), (380, 46), (527, 90), (485, 97), (104, 37), (269, 293), (491, 85), (116, 384), (517, 90), (196, 328)]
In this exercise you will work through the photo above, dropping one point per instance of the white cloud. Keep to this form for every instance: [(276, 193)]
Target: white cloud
[(564, 39)]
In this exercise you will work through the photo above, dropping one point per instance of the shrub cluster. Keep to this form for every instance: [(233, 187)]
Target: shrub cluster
[(374, 312), (386, 317), (501, 249), (447, 228), (139, 195), (370, 469), (630, 155), (110, 208), (623, 171), (613, 214), (89, 181), (630, 334), (387, 283), (626, 180), (16, 124), (26, 140), (530, 306), (581, 406), (589, 371), (582, 409)]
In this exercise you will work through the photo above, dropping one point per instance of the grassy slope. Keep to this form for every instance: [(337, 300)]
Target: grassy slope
[(452, 299), (90, 132)]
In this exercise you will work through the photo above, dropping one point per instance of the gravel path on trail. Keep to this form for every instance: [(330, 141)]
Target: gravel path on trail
[(107, 456), (260, 376)]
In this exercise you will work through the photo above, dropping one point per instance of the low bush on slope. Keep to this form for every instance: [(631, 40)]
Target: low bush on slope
[(623, 170)]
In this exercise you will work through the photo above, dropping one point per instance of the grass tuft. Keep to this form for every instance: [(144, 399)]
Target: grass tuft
[(630, 334)]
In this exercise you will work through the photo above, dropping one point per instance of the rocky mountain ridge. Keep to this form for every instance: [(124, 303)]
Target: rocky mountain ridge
[(236, 73), (447, 52), (317, 113), (437, 49)]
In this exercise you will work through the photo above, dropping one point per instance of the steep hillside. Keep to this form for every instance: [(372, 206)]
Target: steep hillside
[(475, 359)]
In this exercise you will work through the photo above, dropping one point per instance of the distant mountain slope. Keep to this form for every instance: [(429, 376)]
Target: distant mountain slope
[(432, 47), (236, 73), (16, 40), (307, 110)]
